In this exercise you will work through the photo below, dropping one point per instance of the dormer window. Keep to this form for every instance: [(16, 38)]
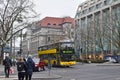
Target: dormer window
[(54, 24), (48, 24)]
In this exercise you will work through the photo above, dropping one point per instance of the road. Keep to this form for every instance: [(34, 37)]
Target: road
[(88, 72), (80, 72)]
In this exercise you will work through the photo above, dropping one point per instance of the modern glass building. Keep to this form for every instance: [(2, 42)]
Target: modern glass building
[(97, 29)]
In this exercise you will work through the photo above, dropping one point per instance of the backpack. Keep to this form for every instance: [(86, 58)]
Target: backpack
[(20, 66), (7, 62)]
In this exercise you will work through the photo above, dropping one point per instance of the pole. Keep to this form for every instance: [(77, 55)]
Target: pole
[(10, 54), (21, 43), (49, 65), (14, 46)]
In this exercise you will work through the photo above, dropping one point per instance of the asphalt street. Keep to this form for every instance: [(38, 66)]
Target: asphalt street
[(92, 71), (107, 71)]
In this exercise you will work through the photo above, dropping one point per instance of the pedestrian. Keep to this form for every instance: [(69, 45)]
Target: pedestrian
[(7, 64), (25, 69), (30, 68), (21, 67), (14, 62)]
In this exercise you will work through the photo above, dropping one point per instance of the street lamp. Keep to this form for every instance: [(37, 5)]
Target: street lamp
[(20, 42)]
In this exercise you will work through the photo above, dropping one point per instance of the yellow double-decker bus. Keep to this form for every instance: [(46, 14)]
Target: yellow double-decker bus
[(58, 54)]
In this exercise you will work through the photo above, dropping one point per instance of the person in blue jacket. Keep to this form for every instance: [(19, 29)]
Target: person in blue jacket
[(30, 68)]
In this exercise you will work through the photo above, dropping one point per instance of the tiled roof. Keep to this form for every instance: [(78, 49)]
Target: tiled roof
[(54, 21)]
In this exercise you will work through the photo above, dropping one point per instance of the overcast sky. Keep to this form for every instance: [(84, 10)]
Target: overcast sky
[(57, 8)]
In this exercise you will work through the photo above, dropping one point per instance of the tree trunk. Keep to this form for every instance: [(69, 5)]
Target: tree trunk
[(2, 54)]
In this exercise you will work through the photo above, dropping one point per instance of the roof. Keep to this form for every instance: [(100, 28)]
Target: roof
[(54, 21)]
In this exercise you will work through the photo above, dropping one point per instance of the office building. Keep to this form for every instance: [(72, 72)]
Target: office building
[(97, 28)]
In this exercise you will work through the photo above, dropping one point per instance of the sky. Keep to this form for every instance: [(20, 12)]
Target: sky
[(57, 8)]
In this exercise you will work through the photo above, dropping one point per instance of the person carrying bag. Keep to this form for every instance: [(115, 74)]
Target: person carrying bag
[(7, 63)]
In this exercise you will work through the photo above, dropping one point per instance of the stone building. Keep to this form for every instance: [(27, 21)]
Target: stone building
[(48, 30)]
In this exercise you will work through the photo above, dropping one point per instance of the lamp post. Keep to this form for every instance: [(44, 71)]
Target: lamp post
[(20, 42)]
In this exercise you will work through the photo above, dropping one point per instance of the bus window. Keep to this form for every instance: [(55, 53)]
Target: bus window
[(67, 57)]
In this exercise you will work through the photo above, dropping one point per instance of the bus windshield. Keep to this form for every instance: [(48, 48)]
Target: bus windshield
[(67, 57)]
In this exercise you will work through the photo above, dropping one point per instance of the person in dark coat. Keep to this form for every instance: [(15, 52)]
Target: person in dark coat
[(21, 68), (30, 68), (7, 63), (26, 75)]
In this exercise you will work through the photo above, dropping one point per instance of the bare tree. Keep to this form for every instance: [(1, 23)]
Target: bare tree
[(114, 27), (107, 30), (15, 15)]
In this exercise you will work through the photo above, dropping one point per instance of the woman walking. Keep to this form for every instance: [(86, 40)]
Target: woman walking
[(21, 68)]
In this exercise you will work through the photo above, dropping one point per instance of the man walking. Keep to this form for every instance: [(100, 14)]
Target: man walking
[(7, 63), (30, 68)]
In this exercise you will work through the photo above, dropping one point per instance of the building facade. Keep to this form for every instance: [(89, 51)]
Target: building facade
[(48, 30), (97, 28)]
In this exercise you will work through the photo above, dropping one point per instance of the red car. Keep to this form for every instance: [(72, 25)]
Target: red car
[(36, 61), (39, 64), (42, 64)]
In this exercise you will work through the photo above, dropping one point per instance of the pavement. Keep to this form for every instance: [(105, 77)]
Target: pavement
[(108, 64), (40, 77), (43, 75)]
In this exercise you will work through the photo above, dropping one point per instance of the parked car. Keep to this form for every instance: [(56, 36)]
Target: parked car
[(39, 64), (42, 64), (36, 61)]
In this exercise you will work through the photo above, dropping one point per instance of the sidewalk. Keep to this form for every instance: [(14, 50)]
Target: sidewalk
[(108, 64), (36, 75), (101, 64)]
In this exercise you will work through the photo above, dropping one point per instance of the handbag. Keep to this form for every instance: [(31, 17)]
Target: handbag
[(11, 70)]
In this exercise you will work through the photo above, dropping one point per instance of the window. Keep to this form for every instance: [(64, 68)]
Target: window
[(60, 24), (48, 24), (115, 0), (98, 0), (91, 9), (106, 2), (85, 5), (84, 11), (98, 5), (92, 2), (54, 24), (48, 39)]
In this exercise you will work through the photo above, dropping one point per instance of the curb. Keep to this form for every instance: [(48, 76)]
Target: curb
[(108, 64), (41, 77)]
